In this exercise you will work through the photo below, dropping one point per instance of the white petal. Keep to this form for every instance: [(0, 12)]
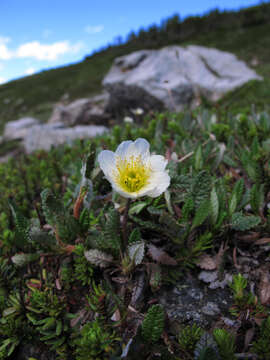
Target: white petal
[(122, 149), (158, 162), (142, 146), (162, 180), (124, 193), (139, 147), (107, 162)]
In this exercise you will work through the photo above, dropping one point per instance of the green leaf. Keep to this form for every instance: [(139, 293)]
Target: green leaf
[(187, 208), (137, 208), (22, 224), (257, 197), (232, 204), (49, 324), (112, 230), (214, 205), (198, 158), (201, 188), (136, 252), (22, 259), (242, 223), (239, 189), (153, 324), (59, 327), (201, 214), (135, 236), (98, 258), (89, 162)]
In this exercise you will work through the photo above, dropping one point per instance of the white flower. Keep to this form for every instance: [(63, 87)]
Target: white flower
[(133, 172), (128, 119), (137, 111)]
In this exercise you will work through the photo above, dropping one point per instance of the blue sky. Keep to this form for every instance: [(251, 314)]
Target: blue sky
[(42, 34)]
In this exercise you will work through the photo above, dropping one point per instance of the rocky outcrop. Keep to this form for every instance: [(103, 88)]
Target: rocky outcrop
[(46, 136), (82, 111), (174, 77), (18, 129), (35, 136)]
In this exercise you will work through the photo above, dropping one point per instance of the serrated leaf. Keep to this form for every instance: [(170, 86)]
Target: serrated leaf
[(112, 230), (23, 259), (198, 162), (22, 224), (51, 206), (98, 258), (214, 205), (89, 163), (136, 252), (201, 214), (137, 208), (232, 204), (135, 236), (257, 197), (201, 188), (242, 223), (239, 189), (153, 324), (160, 256)]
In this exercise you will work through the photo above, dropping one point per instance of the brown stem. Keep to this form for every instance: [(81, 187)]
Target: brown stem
[(124, 225)]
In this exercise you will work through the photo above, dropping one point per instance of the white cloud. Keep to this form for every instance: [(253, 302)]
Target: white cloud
[(94, 29), (30, 71), (49, 52), (5, 53), (2, 80)]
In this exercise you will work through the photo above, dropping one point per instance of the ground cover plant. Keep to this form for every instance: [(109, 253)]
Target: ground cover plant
[(244, 33), (82, 267)]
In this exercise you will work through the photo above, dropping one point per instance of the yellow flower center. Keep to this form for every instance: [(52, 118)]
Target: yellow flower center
[(132, 174)]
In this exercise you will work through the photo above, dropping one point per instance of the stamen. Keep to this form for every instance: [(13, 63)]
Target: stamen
[(132, 173)]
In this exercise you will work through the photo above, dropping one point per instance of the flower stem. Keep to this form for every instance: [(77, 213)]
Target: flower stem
[(124, 225)]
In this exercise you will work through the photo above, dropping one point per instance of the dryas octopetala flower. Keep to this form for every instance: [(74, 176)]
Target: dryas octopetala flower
[(133, 172)]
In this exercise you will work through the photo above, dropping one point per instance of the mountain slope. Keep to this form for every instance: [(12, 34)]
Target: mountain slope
[(245, 33)]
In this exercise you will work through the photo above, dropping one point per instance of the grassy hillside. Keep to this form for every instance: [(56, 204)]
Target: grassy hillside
[(245, 33)]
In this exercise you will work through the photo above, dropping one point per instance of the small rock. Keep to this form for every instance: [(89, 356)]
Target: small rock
[(18, 129), (82, 111), (192, 301), (211, 309), (48, 135)]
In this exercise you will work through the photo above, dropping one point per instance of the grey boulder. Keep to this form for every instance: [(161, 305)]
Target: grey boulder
[(46, 136), (174, 77), (18, 129), (82, 111)]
